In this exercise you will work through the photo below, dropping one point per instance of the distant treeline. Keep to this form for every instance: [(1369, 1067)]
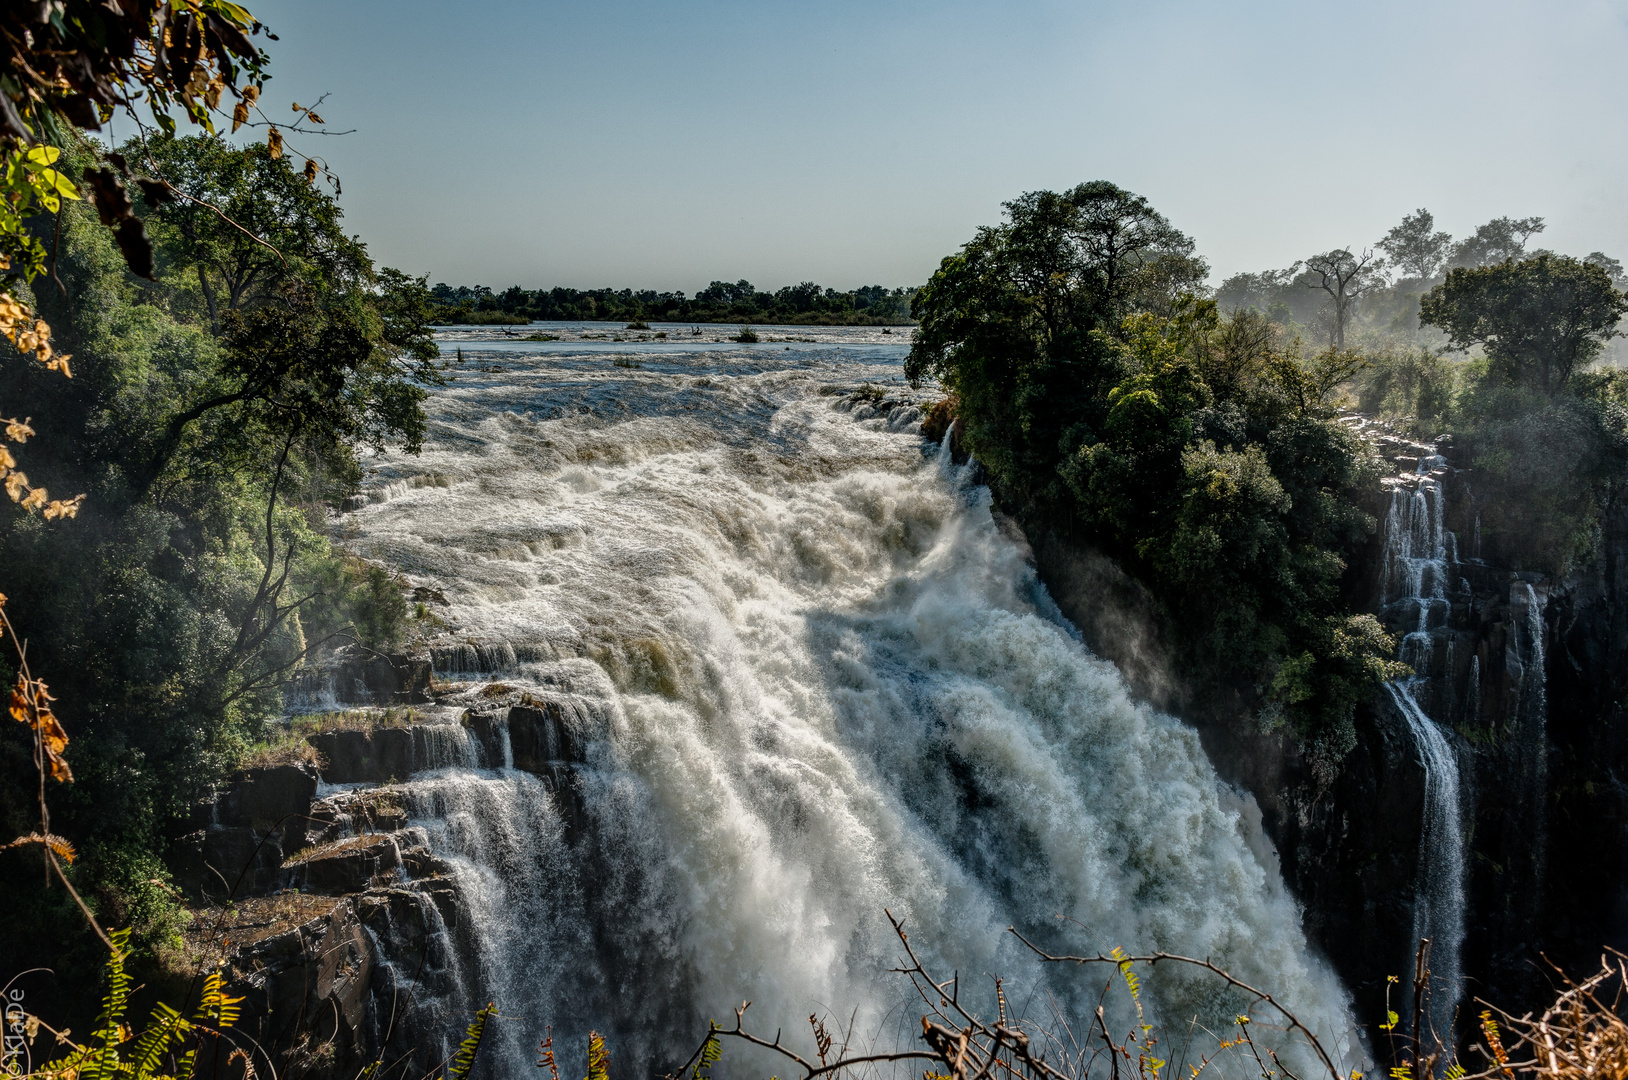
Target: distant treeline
[(1369, 296), (720, 302)]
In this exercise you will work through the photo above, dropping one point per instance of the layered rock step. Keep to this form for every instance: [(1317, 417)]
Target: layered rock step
[(341, 926)]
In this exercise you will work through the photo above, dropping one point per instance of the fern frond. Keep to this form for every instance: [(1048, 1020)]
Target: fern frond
[(464, 1060), (1132, 982), (545, 1056), (711, 1051), (101, 1061), (216, 1007), (215, 1010), (598, 1057), (166, 1026)]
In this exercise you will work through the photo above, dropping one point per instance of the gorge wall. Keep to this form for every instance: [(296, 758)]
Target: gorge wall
[(1522, 676)]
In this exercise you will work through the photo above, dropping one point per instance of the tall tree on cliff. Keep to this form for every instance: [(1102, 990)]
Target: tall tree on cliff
[(1107, 402), (1538, 320), (1019, 323)]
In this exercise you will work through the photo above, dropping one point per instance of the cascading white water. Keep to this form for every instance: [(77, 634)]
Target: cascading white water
[(1417, 564), (1438, 906), (820, 680), (1523, 656)]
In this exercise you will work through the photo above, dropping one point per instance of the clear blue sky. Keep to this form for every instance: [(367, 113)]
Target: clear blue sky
[(665, 145)]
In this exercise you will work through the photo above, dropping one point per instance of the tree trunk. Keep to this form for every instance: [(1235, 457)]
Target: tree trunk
[(209, 298)]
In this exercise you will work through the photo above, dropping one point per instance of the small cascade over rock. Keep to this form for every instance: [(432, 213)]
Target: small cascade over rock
[(1524, 657), (1420, 563)]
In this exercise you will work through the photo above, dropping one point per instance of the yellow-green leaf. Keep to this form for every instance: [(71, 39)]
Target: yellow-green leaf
[(237, 14), (64, 186)]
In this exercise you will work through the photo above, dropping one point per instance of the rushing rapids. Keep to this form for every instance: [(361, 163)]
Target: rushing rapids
[(815, 678)]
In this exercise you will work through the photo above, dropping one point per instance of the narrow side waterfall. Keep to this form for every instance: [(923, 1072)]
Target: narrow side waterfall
[(808, 676), (1524, 657), (1418, 560)]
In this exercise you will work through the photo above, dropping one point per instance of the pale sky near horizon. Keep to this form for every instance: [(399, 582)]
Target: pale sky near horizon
[(665, 145)]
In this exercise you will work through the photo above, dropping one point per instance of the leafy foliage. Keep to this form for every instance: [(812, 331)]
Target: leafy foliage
[(1500, 240), (198, 574), (31, 184), (287, 230), (1415, 247), (1538, 320), (1544, 466), (113, 1052), (1196, 448)]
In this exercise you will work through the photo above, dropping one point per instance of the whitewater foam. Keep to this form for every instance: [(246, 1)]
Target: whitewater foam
[(824, 682)]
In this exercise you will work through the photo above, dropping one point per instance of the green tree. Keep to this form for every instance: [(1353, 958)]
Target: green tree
[(197, 576), (246, 225), (1019, 324), (1538, 320), (1415, 247), (1191, 446), (1612, 267), (1499, 240)]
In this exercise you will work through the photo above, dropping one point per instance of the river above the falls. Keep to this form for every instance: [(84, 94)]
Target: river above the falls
[(818, 680)]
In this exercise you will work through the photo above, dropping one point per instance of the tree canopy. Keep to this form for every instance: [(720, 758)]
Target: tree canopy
[(1539, 320), (247, 225), (1415, 247), (197, 576), (1105, 399), (1499, 240)]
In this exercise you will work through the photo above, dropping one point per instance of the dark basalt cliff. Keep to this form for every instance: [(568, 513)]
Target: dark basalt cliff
[(1529, 677), (348, 940)]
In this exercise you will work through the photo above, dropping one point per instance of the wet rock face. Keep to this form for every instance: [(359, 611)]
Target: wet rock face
[(327, 994), (358, 676), (1527, 677), (365, 937), (1586, 880), (244, 835), (375, 756), (380, 679), (542, 736), (265, 798), (346, 866)]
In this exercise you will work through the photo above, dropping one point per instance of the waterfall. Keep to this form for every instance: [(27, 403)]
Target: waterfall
[(1526, 662), (1523, 656), (815, 678), (1415, 576), (1438, 900)]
